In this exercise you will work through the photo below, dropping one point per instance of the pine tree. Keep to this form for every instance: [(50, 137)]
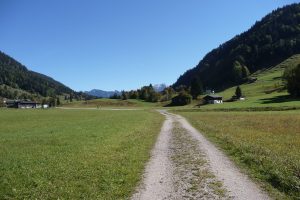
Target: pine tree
[(57, 101), (237, 72), (196, 88), (52, 102), (238, 92), (124, 95)]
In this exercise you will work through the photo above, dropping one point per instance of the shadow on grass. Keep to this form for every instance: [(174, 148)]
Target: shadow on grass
[(172, 105), (279, 99), (168, 105)]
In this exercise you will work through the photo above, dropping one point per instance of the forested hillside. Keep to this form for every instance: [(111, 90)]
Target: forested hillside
[(15, 75), (270, 41)]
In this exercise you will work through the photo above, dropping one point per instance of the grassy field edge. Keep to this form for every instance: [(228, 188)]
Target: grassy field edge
[(241, 155)]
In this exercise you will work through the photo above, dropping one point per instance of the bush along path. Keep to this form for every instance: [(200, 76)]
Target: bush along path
[(184, 165)]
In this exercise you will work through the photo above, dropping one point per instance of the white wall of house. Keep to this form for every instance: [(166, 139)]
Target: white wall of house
[(215, 101)]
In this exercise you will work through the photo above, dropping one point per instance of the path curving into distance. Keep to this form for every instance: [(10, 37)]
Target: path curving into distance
[(185, 165)]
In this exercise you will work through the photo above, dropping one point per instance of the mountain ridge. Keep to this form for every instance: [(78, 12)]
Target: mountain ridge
[(267, 43), (16, 75), (102, 93)]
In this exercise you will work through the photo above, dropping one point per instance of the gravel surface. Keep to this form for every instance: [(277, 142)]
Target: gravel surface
[(185, 165)]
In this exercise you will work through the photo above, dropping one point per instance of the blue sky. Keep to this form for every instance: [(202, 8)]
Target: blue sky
[(117, 44)]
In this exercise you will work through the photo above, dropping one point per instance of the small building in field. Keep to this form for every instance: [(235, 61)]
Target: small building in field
[(213, 99), (21, 104)]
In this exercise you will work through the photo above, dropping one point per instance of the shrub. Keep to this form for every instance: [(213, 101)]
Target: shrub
[(181, 99), (238, 92), (240, 72), (1, 102), (196, 88), (292, 77)]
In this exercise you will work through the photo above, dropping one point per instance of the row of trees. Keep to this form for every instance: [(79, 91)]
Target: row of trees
[(181, 95), (147, 93)]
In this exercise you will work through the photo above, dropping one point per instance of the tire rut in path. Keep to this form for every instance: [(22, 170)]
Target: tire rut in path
[(184, 165)]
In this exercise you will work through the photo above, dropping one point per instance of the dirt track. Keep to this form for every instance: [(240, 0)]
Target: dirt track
[(185, 165)]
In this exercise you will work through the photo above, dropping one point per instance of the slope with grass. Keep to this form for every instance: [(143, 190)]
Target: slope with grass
[(267, 91), (265, 144), (72, 154)]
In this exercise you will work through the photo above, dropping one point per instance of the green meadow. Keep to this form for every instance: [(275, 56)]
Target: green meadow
[(265, 144), (112, 103), (74, 154)]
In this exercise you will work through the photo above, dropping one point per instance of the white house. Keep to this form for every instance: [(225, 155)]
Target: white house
[(213, 99)]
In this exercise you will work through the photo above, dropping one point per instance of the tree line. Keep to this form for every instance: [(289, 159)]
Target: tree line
[(181, 95), (146, 93)]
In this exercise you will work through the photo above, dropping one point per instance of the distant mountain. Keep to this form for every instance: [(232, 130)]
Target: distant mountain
[(15, 75), (102, 93), (159, 87), (267, 43)]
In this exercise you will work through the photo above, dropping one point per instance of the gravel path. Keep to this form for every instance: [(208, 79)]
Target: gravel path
[(185, 165)]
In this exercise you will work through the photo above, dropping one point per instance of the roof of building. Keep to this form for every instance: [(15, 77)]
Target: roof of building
[(210, 96), (20, 101), (28, 102)]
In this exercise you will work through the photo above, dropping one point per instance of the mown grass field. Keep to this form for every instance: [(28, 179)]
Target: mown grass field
[(74, 154), (112, 103), (266, 144)]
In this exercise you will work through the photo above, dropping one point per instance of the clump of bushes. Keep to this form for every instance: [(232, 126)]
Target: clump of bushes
[(181, 99), (292, 78)]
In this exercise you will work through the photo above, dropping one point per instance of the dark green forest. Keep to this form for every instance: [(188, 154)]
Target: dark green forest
[(267, 43), (17, 82), (16, 75)]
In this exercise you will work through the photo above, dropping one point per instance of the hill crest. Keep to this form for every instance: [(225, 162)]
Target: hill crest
[(267, 43)]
